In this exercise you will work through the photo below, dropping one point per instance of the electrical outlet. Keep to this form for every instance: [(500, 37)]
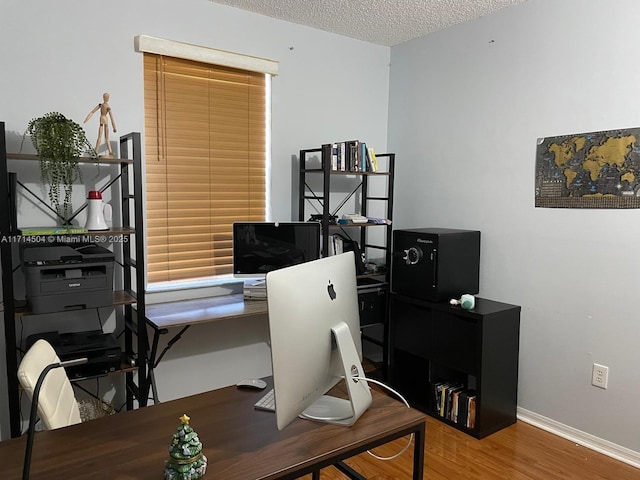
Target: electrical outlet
[(600, 376)]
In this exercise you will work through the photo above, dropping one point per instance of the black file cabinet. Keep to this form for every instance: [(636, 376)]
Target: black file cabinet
[(441, 354)]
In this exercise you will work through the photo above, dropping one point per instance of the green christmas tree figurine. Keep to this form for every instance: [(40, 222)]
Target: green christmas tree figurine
[(186, 460)]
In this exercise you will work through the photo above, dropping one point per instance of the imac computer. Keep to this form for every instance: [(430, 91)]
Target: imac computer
[(260, 247), (314, 325)]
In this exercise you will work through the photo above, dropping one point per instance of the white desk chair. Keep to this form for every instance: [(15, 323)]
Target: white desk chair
[(57, 405)]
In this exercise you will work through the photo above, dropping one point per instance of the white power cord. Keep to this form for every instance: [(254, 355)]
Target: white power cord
[(404, 449)]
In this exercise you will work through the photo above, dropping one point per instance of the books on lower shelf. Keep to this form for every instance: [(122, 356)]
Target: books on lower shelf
[(455, 402), (353, 156)]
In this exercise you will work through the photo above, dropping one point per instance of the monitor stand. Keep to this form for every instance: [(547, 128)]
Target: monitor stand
[(340, 411)]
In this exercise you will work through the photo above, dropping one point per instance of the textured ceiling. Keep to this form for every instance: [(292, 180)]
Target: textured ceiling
[(383, 22)]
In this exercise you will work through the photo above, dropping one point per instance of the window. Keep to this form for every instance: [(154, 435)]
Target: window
[(206, 140)]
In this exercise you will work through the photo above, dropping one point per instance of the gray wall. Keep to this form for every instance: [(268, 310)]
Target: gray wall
[(63, 55), (466, 107)]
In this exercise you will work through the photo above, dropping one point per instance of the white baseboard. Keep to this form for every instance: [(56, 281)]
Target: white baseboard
[(585, 439)]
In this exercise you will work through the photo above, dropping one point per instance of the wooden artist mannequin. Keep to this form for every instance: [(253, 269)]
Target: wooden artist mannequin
[(105, 115)]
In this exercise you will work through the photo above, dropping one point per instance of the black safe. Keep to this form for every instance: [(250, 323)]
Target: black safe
[(435, 263)]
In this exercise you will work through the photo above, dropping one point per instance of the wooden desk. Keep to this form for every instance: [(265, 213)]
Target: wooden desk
[(202, 310), (239, 441), (183, 314)]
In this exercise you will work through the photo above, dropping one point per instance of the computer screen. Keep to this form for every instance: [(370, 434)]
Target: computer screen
[(314, 329), (260, 247)]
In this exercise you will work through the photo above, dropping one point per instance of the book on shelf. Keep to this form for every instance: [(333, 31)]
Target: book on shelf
[(353, 160), (336, 246), (352, 218), (334, 156), (379, 221), (463, 407), (446, 398), (63, 230), (372, 159), (454, 406), (449, 401), (440, 393), (467, 408), (436, 389), (359, 220), (471, 417)]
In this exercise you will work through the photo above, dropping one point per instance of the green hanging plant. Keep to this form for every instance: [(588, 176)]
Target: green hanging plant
[(59, 142)]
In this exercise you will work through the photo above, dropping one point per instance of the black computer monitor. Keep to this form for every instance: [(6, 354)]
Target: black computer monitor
[(314, 326), (261, 247)]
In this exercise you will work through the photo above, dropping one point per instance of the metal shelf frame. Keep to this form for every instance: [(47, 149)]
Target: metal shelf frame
[(133, 265)]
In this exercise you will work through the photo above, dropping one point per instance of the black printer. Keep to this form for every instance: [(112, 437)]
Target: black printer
[(101, 350), (62, 277)]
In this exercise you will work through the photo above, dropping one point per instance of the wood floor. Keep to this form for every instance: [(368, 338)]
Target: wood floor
[(519, 452)]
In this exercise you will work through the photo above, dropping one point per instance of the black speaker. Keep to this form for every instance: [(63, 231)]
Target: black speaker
[(435, 263)]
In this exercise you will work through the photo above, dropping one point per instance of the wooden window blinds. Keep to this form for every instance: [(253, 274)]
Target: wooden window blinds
[(205, 146)]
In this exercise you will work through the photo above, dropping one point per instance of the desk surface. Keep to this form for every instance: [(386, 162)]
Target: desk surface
[(239, 441), (202, 310)]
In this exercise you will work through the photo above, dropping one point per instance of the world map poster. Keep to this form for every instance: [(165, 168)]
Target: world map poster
[(589, 170)]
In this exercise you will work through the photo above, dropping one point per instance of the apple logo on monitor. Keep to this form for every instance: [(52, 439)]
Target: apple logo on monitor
[(331, 290)]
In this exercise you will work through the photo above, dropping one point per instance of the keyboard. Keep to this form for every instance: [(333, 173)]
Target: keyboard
[(268, 402)]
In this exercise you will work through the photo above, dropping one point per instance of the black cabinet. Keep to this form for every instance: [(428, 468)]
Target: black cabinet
[(438, 349), (325, 194), (126, 242)]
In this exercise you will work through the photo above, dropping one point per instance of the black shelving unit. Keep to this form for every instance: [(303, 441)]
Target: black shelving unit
[(435, 342), (129, 252), (318, 195)]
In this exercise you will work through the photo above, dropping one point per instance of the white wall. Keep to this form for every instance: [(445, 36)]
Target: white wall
[(466, 107), (63, 55)]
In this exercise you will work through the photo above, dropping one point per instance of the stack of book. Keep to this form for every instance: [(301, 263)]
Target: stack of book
[(455, 402), (255, 290), (353, 156)]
